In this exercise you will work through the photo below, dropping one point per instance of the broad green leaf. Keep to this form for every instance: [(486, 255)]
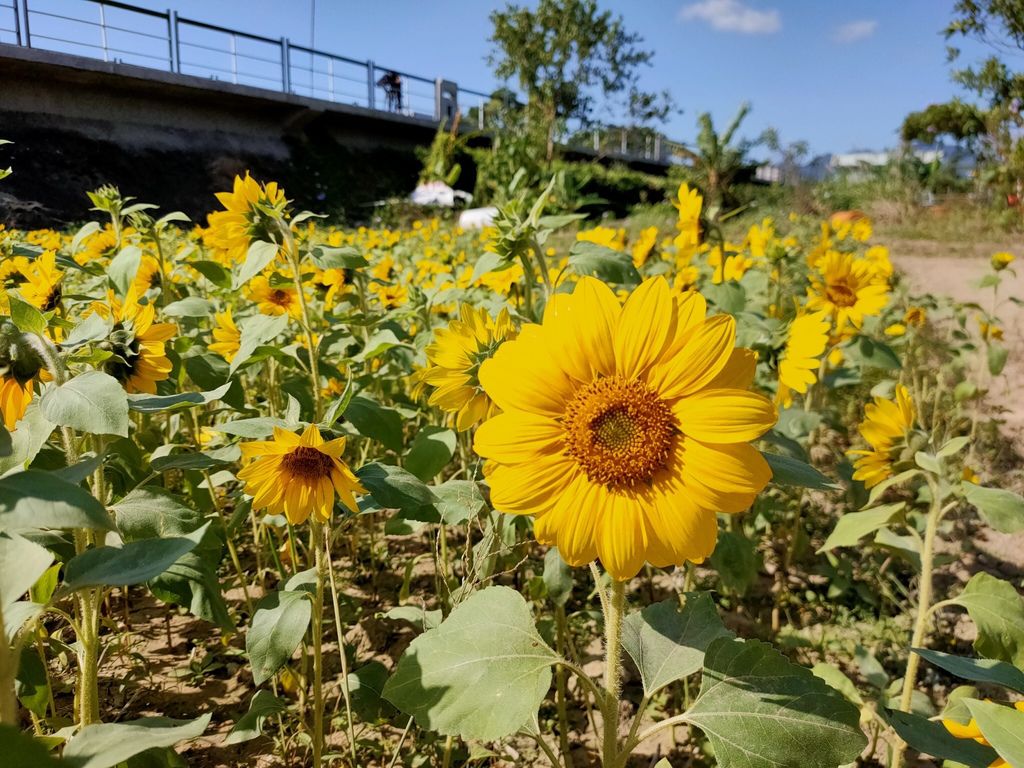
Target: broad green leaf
[(1003, 510), (347, 257), (123, 267), (85, 231), (1002, 727), (250, 725), (92, 402), (952, 447), (557, 577), (26, 317), (366, 687), (729, 297), (253, 429), (458, 500), (214, 272), (191, 306), (976, 670), (259, 255), (997, 356), (22, 562), (30, 683), (22, 445), (667, 641), (378, 422), (932, 738), (278, 626), (611, 266), (889, 482), (394, 488), (157, 403), (379, 343), (868, 353), (853, 526), (789, 471), (482, 674), (21, 750), (33, 500), (835, 678), (107, 744), (134, 563), (761, 711), (430, 452), (736, 560), (928, 462), (998, 612), (254, 331)]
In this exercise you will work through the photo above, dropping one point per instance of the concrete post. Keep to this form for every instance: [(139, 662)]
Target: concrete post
[(286, 66), (371, 85)]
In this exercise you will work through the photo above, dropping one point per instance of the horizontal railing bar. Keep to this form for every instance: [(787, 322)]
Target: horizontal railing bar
[(222, 52), (127, 7), (335, 56), (226, 31)]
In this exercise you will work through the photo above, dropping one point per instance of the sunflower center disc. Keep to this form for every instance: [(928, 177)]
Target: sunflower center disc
[(307, 463), (619, 431), (841, 295)]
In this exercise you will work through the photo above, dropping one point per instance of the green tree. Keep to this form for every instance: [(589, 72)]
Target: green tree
[(564, 53)]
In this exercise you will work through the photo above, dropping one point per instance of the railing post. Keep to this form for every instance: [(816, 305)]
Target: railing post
[(597, 142), (28, 33), (330, 78), (175, 26), (657, 147), (371, 84), (103, 30), (17, 21), (622, 141), (170, 39), (286, 66), (234, 59), (480, 115)]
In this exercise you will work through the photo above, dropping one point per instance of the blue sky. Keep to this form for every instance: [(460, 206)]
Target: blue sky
[(840, 75)]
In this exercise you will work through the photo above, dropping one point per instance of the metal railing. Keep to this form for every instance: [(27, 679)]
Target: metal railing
[(127, 34)]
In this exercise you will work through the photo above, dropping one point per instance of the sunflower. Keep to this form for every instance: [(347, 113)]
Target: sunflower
[(332, 283), (1002, 260), (20, 365), (886, 425), (277, 299), (644, 245), (14, 400), (728, 268), (972, 731), (42, 282), (606, 236), (848, 289), (227, 337), (390, 296), (298, 474), (139, 360), (250, 208), (455, 356), (801, 359), (148, 275), (688, 203), (625, 428)]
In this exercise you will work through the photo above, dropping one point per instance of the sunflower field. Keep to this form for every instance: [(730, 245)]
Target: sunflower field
[(546, 493)]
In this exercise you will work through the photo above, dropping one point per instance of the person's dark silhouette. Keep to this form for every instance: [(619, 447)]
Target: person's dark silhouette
[(391, 82)]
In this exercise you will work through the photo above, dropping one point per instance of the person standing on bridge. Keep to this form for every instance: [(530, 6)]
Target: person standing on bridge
[(391, 82)]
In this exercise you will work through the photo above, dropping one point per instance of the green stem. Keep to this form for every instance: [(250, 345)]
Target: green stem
[(561, 633), (314, 366), (610, 757), (345, 692), (920, 635), (318, 666)]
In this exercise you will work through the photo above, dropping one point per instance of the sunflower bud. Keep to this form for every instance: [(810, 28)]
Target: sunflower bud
[(19, 359)]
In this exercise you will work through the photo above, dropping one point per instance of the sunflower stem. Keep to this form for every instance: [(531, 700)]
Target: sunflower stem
[(345, 691), (318, 620), (314, 367), (920, 636), (612, 672)]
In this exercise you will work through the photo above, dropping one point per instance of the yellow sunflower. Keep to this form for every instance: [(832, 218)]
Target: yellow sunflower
[(42, 282), (885, 427), (643, 246), (139, 359), (972, 731), (249, 209), (625, 428), (1002, 260), (390, 296), (606, 236), (688, 203), (148, 275), (298, 474), (847, 289), (801, 359), (277, 299), (14, 400), (455, 356), (226, 336)]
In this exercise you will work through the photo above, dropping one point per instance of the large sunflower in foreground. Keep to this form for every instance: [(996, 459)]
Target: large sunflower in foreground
[(298, 474), (625, 428), (885, 428), (847, 288), (139, 359), (249, 209), (455, 356)]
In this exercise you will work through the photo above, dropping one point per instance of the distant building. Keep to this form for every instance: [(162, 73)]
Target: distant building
[(860, 164)]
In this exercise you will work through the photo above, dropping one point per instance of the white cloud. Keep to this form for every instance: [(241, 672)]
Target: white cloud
[(853, 31), (733, 16)]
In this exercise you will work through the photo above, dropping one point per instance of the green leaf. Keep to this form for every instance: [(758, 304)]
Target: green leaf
[(853, 526), (254, 331), (157, 403), (260, 254), (868, 353), (92, 328), (728, 297), (482, 674), (26, 317), (976, 670), (458, 501), (107, 744), (761, 711), (25, 442), (20, 750), (997, 356), (278, 626), (667, 641), (1003, 510), (250, 725), (22, 562), (1002, 727), (952, 447), (214, 272), (998, 612), (431, 450), (134, 563), (586, 258), (557, 577), (736, 560), (253, 429), (366, 687), (347, 257), (928, 462), (33, 500), (889, 482), (30, 683), (789, 471), (834, 678), (932, 738), (92, 402), (373, 420), (394, 488), (191, 306), (123, 267)]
